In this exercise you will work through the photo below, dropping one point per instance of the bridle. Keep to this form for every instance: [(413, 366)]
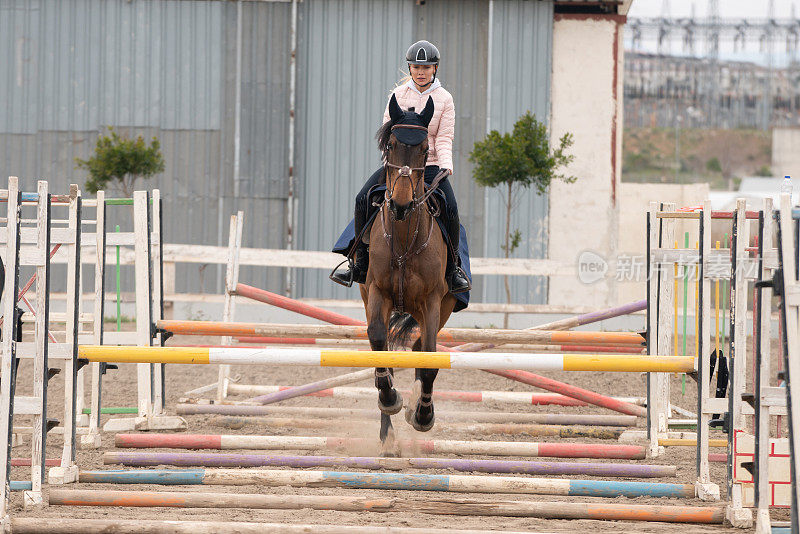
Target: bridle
[(405, 171)]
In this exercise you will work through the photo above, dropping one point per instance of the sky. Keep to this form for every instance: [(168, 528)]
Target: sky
[(729, 9)]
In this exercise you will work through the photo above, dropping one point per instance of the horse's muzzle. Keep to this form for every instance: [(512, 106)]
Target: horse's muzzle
[(399, 211)]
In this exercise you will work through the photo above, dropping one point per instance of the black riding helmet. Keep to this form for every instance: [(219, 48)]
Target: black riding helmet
[(423, 53)]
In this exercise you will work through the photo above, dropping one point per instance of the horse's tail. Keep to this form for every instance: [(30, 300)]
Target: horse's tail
[(401, 325)]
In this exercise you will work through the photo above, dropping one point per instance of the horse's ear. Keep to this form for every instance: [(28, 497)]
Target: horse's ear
[(394, 109), (427, 113)]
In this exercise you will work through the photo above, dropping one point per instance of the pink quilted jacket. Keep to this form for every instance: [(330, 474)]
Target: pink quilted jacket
[(442, 126)]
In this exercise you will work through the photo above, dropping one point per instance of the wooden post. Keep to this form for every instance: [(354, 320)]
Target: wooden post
[(93, 438), (68, 471), (81, 419), (737, 354), (157, 295), (9, 333), (662, 233), (40, 365), (706, 490), (144, 309), (231, 281), (763, 318), (791, 352)]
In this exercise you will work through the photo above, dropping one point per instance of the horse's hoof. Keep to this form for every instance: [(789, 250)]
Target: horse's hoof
[(394, 408), (389, 452), (423, 428), (411, 407), (389, 445)]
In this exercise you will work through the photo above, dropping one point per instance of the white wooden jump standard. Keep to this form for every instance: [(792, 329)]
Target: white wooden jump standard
[(31, 246), (791, 353), (660, 298), (146, 241), (739, 270), (231, 281)]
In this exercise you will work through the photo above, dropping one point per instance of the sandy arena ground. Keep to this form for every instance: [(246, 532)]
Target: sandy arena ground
[(120, 390)]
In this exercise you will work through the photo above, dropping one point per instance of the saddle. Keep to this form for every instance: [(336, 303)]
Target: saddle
[(437, 203), (344, 245)]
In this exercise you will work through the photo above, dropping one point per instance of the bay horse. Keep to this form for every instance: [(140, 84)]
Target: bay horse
[(405, 285)]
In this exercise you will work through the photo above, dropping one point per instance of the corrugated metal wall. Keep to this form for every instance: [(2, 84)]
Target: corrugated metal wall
[(460, 30), (522, 40), (350, 55), (156, 68), (167, 68)]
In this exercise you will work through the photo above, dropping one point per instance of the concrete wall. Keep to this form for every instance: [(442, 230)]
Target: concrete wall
[(786, 152), (586, 101)]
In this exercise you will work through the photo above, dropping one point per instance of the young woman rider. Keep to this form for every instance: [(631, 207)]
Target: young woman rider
[(423, 62)]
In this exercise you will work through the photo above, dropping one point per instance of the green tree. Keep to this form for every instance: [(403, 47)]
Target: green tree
[(121, 159), (713, 165), (517, 161)]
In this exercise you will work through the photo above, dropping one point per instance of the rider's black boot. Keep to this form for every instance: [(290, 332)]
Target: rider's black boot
[(455, 276), (357, 270), (457, 279)]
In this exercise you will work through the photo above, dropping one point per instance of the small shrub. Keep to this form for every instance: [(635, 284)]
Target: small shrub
[(120, 159)]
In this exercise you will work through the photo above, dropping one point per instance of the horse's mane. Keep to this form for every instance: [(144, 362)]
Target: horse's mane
[(383, 134)]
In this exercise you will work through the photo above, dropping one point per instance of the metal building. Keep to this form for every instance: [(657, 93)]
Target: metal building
[(213, 80)]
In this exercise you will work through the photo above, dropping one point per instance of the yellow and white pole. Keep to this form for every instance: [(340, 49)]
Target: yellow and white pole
[(398, 359)]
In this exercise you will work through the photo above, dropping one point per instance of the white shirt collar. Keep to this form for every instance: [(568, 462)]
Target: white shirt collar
[(435, 85)]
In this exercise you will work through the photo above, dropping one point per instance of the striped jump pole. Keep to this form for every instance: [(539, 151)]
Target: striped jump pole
[(585, 395), (469, 465), (316, 312), (688, 442), (443, 416), (460, 507), (271, 394), (430, 360), (26, 462), (571, 322), (308, 389), (596, 317), (452, 335), (523, 347), (390, 481), (474, 428), (365, 393), (61, 525), (293, 305), (334, 318), (310, 443)]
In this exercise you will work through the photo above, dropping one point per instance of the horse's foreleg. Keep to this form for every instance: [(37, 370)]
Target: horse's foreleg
[(389, 400), (423, 416)]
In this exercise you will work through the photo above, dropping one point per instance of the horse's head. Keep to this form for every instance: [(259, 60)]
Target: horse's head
[(404, 142)]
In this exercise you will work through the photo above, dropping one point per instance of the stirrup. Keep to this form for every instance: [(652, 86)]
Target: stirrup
[(346, 282), (458, 271)]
